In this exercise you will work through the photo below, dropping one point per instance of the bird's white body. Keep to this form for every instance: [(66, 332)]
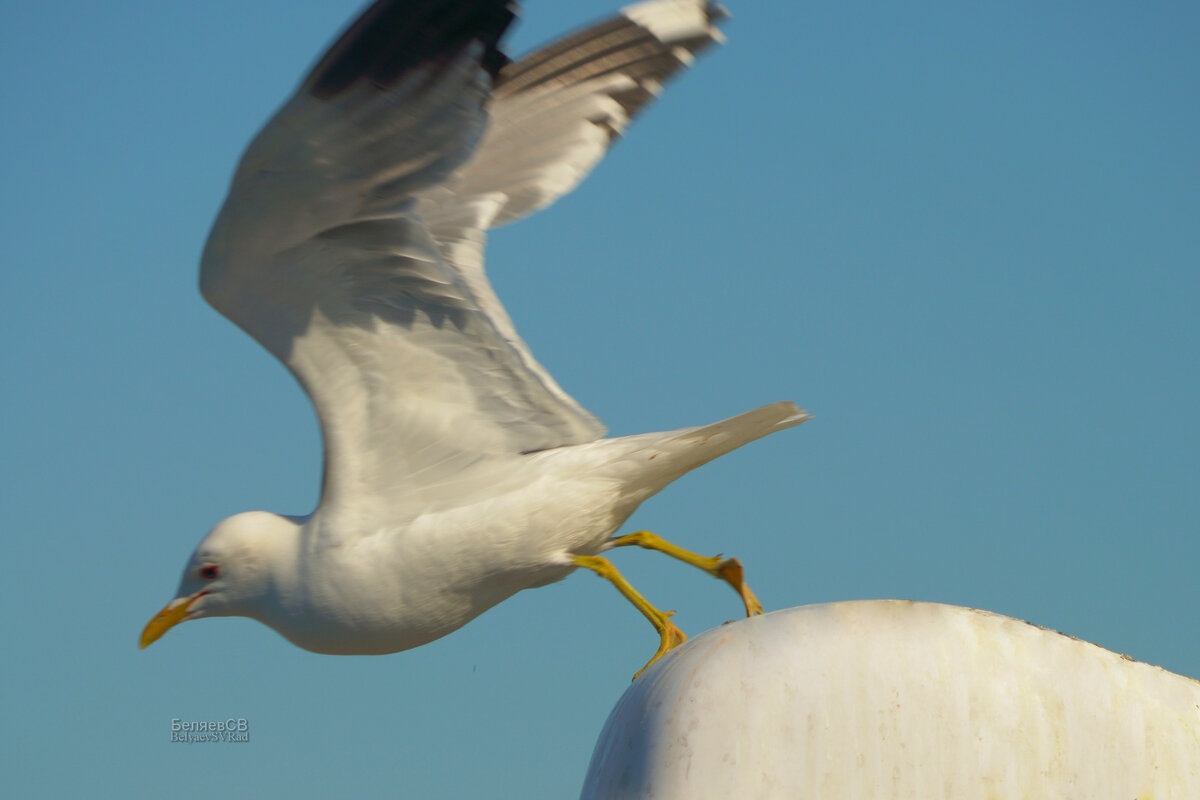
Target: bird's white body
[(357, 583), (404, 585), (457, 471)]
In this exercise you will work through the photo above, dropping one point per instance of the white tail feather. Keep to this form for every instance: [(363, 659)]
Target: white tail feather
[(650, 461)]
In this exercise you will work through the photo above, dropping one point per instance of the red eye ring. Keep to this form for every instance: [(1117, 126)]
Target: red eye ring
[(209, 572)]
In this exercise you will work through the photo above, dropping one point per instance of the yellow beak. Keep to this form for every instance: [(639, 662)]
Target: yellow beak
[(175, 612)]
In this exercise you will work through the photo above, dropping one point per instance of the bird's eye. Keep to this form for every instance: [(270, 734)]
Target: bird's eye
[(209, 572)]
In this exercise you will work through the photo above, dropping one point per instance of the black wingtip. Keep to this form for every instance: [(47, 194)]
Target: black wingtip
[(394, 36)]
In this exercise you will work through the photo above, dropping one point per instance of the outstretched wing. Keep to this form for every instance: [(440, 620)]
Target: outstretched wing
[(554, 115), (322, 254)]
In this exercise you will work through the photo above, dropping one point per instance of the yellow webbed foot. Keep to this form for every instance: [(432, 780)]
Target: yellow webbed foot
[(730, 570), (672, 637)]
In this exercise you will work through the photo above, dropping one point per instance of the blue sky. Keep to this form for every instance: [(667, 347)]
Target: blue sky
[(965, 236)]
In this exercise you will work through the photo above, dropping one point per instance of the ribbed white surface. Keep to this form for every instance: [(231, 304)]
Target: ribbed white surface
[(894, 699)]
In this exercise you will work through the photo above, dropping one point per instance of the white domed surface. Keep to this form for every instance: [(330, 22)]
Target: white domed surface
[(895, 699)]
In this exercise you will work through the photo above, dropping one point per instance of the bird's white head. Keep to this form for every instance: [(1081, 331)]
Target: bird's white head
[(230, 572)]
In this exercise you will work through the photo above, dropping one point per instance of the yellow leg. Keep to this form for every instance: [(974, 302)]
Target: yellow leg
[(728, 569), (671, 635)]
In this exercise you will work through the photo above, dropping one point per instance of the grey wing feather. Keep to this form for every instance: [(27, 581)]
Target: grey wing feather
[(554, 114), (351, 242), (320, 254)]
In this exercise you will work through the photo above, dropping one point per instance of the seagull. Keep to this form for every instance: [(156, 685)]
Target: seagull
[(457, 471)]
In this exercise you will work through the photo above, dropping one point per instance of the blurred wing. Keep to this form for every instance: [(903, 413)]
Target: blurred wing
[(320, 254), (554, 115), (351, 243)]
